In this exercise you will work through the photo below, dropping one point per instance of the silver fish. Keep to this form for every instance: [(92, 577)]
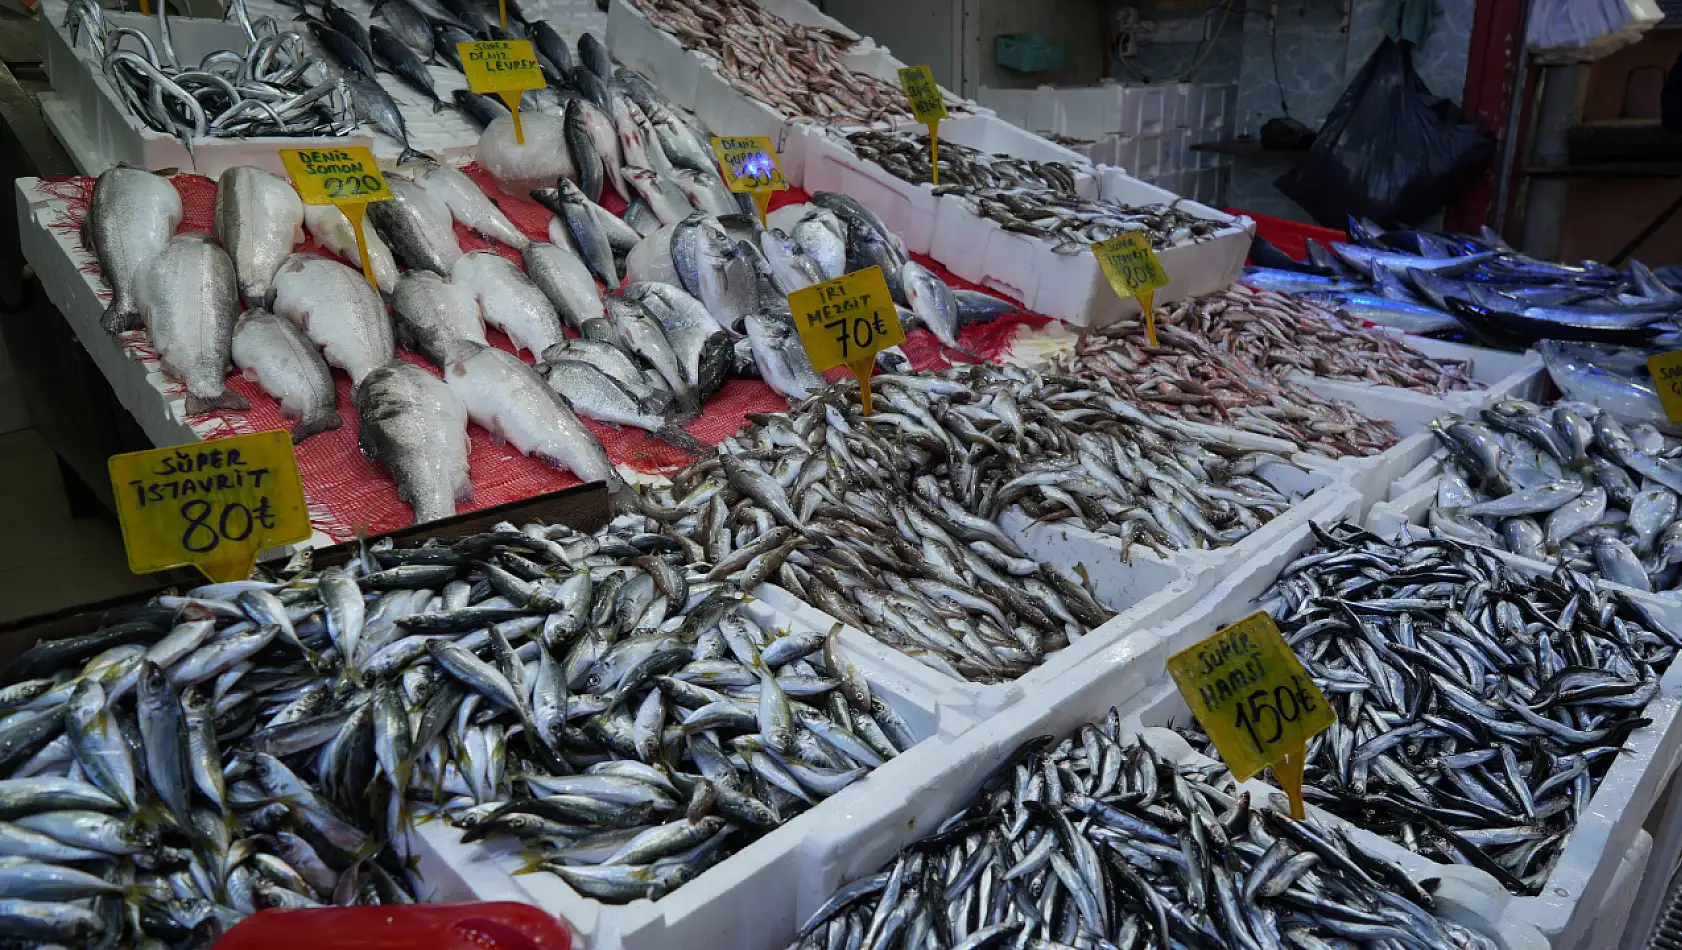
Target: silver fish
[(335, 306), (188, 298), (513, 403), (415, 425), (431, 312), (131, 217), (276, 355), (259, 219), (510, 301)]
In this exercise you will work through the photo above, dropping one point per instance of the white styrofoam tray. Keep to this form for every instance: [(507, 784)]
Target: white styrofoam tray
[(1071, 286), (867, 837), (690, 79), (746, 900), (1580, 882), (1141, 587), (913, 211)]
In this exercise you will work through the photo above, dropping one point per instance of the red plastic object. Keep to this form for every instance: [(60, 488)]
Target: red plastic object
[(1289, 235), (489, 926)]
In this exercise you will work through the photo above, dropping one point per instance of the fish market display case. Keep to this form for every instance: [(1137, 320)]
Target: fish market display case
[(747, 900), (89, 116), (1567, 911)]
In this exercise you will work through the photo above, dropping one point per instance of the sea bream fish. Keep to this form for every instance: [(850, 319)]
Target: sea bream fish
[(131, 217), (188, 299), (275, 354), (415, 425), (259, 219)]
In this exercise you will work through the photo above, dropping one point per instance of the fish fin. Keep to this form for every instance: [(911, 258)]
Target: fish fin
[(321, 422), (410, 154), (117, 319), (675, 436), (226, 399)]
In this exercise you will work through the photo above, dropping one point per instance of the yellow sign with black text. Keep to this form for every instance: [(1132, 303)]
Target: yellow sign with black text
[(1667, 379), (500, 66), (213, 505), (1254, 699), (846, 322), (1133, 271), (927, 104), (345, 177)]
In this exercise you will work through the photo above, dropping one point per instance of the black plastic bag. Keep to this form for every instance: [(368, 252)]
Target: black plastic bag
[(1389, 150)]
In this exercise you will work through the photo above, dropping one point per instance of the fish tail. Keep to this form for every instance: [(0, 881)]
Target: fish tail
[(314, 423), (226, 399), (675, 436), (411, 154), (119, 316)]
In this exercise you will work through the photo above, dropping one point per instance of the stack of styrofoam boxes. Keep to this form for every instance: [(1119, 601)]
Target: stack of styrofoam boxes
[(1146, 129)]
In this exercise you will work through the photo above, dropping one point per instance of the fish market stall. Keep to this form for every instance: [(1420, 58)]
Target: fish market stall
[(344, 486)]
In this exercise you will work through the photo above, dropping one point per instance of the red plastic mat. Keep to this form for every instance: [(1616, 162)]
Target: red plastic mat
[(347, 491)]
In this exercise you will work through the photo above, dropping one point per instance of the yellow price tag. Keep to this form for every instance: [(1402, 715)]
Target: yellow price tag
[(929, 106), (505, 67), (1133, 271), (749, 164), (1251, 694), (346, 177), (847, 321), (213, 505), (1667, 379)]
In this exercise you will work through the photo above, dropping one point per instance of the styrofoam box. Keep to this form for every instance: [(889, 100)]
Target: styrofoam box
[(1070, 286), (1088, 112), (1141, 587), (745, 901), (875, 829), (1185, 104), (1146, 110), (1150, 159), (910, 210), (1177, 155), (1204, 160), (96, 126), (1218, 102), (1580, 882), (1011, 105)]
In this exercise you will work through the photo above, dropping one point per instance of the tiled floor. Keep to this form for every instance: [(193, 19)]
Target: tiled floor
[(49, 559)]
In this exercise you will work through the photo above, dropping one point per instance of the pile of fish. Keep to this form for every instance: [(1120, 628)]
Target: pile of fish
[(201, 757), (671, 727), (1477, 708), (1566, 482), (1101, 841), (796, 69), (1279, 333), (274, 87), (1029, 197), (1458, 285), (1189, 377), (1612, 379), (890, 521)]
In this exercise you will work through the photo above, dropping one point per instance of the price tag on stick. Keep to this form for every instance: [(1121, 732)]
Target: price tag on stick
[(213, 505), (345, 177), (1251, 694), (929, 106), (1667, 379), (845, 321), (749, 164), (1133, 271), (505, 67)]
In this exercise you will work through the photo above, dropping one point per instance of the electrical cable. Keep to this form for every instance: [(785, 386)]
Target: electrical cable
[(1199, 56), (1273, 51)]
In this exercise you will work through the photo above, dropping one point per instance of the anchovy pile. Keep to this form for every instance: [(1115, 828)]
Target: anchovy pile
[(1569, 483), (797, 70), (1279, 333), (1188, 377), (199, 758), (1100, 841), (1029, 197), (1477, 708), (890, 521), (272, 88)]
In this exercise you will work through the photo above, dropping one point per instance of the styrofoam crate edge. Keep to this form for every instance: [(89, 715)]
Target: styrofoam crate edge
[(746, 900), (1627, 793), (843, 852)]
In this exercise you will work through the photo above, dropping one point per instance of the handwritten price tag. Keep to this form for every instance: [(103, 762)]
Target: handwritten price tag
[(1251, 694), (929, 106), (346, 177), (749, 164), (1667, 379), (846, 321), (213, 505), (505, 67), (1133, 271)]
